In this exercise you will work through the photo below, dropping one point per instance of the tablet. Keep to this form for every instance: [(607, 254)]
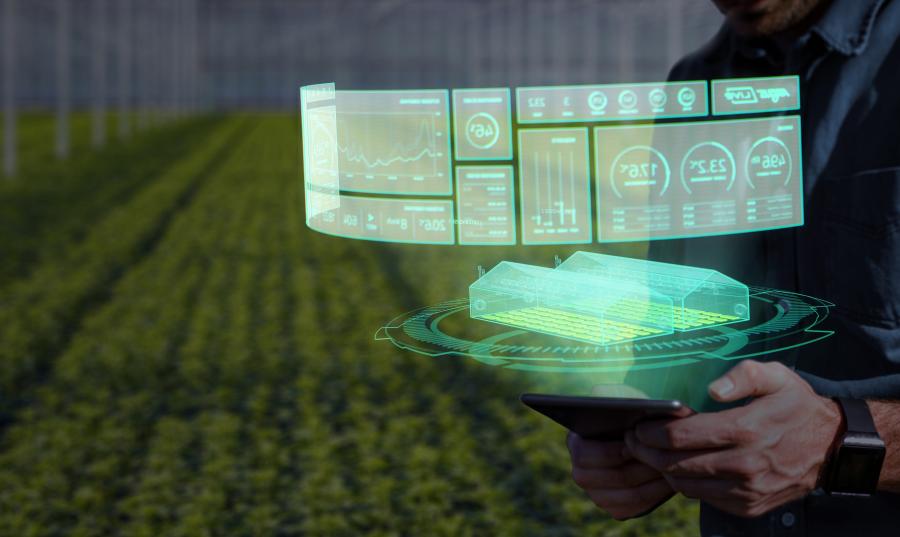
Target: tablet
[(602, 418)]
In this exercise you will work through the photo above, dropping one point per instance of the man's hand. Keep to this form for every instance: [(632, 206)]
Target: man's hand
[(746, 460), (616, 482)]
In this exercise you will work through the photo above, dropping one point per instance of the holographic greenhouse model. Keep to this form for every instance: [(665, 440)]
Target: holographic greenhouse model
[(568, 304), (701, 297)]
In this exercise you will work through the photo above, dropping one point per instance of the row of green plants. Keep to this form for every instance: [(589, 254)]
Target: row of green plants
[(40, 312), (227, 382), (53, 203)]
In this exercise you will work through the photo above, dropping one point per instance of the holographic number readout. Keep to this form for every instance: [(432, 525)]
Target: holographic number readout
[(697, 179), (394, 142), (554, 174), (486, 205), (389, 220), (320, 154), (755, 95), (482, 124), (611, 102)]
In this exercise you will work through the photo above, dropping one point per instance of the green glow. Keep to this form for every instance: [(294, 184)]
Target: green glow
[(701, 298), (652, 181), (755, 95), (394, 142), (318, 122), (486, 201), (389, 220), (698, 179), (611, 102), (482, 124), (569, 304), (554, 177), (677, 365)]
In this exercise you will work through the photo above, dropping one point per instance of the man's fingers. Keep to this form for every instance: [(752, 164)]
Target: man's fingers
[(641, 497), (596, 454), (693, 463), (700, 431), (629, 475), (749, 379), (706, 488)]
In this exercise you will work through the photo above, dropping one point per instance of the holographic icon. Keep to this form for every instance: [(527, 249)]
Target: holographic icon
[(597, 101), (628, 100), (658, 99), (686, 98)]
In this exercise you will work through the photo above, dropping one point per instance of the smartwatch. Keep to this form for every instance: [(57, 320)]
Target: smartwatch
[(855, 463)]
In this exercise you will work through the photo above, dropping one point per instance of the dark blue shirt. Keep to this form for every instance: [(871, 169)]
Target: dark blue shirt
[(848, 251)]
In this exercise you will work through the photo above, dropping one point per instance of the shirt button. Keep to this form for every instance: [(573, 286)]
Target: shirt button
[(788, 519)]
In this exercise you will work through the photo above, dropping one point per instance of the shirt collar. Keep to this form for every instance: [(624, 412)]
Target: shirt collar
[(846, 25)]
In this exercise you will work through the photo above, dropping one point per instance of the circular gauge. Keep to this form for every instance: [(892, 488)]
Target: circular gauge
[(708, 165), (482, 131), (769, 161), (639, 167)]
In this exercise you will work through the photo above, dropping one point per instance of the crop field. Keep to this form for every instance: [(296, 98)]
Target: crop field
[(180, 355)]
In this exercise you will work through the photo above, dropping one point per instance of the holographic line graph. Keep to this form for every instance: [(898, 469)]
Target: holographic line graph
[(416, 154)]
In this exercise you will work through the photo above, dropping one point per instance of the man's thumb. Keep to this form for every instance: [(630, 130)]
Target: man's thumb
[(749, 379)]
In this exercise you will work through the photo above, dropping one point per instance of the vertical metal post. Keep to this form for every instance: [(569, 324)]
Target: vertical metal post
[(63, 82), (9, 88), (98, 64), (125, 61), (140, 60), (177, 58)]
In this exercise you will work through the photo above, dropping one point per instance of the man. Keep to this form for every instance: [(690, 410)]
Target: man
[(763, 468)]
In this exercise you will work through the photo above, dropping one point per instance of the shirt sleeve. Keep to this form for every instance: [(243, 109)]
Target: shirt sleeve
[(886, 387)]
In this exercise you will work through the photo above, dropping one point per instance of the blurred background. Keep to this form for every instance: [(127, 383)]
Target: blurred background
[(179, 355)]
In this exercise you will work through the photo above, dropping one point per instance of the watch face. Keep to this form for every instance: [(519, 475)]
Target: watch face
[(856, 469)]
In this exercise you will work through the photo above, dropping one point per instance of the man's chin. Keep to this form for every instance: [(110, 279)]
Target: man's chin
[(755, 25)]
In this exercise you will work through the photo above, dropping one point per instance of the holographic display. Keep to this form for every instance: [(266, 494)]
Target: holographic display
[(569, 304), (554, 177), (652, 179), (701, 298), (611, 102), (320, 152), (486, 204), (389, 220), (755, 95), (698, 179), (482, 124), (394, 142)]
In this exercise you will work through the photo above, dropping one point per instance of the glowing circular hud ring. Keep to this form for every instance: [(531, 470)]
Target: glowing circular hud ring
[(791, 321), (495, 127)]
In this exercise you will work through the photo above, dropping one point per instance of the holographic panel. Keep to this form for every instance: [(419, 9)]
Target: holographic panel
[(697, 179), (482, 123), (486, 202), (755, 95), (389, 220), (320, 154), (555, 186), (569, 304), (701, 298), (394, 142), (611, 102)]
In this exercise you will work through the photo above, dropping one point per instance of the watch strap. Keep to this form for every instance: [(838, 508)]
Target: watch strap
[(857, 415)]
